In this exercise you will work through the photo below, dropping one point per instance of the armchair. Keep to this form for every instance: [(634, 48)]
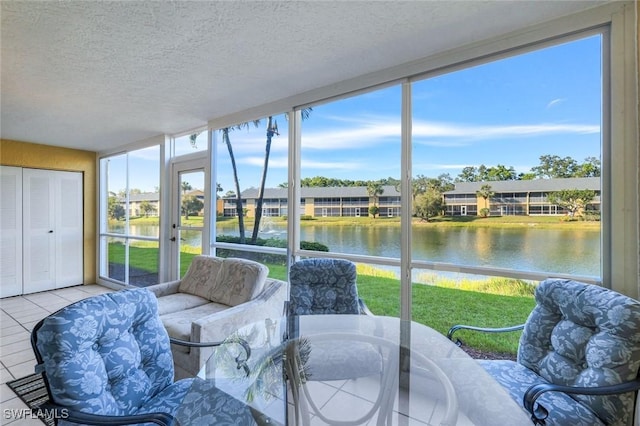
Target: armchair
[(216, 297), (107, 360), (324, 286), (578, 357), (320, 286)]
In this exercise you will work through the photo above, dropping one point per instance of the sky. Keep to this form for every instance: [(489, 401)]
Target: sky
[(507, 112)]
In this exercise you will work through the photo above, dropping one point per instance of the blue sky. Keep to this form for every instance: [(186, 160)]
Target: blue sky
[(509, 112)]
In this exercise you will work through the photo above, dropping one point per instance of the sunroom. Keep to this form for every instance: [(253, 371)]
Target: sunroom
[(464, 99), (132, 133)]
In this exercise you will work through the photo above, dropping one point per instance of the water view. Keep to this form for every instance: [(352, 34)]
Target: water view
[(570, 251)]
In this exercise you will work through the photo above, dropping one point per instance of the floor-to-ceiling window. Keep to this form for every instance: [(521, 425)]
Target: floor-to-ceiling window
[(130, 216), (250, 175), (487, 140), (350, 182)]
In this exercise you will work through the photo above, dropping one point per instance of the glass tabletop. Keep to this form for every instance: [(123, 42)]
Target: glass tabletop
[(356, 369)]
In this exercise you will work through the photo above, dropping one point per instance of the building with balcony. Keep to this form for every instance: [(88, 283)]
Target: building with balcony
[(516, 197)]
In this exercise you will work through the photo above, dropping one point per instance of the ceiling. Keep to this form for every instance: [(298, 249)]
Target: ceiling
[(96, 75)]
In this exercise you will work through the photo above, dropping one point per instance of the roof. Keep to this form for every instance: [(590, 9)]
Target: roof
[(535, 185), (321, 192)]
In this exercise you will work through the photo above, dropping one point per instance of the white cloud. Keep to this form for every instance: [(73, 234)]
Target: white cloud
[(556, 102), (466, 134), (378, 131), (331, 165), (274, 162)]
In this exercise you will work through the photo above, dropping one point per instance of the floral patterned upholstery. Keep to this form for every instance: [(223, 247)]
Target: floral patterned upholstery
[(110, 355), (323, 286), (328, 286), (577, 335), (215, 297)]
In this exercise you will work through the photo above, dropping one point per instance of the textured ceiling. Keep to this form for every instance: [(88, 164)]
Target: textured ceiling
[(98, 74)]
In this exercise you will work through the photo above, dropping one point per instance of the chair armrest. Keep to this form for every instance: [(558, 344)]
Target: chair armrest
[(241, 361), (364, 309), (164, 289), (481, 329), (539, 413), (56, 411)]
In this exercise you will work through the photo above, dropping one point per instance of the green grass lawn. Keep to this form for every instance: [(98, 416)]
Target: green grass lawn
[(456, 221)]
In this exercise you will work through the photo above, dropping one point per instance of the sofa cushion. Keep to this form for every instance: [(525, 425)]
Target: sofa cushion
[(178, 324), (516, 379), (584, 335), (201, 276), (178, 302), (239, 281)]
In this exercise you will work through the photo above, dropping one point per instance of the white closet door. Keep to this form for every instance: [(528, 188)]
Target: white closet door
[(68, 229), (10, 231), (39, 231)]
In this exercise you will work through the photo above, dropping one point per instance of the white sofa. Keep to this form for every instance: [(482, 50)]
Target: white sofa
[(214, 298)]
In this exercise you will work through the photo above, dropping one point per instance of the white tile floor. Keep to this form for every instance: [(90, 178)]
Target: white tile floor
[(18, 315)]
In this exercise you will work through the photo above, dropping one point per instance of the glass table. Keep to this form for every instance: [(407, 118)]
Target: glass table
[(356, 369)]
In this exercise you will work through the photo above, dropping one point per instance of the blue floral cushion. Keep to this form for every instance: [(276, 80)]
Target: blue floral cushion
[(584, 335), (323, 286), (563, 410), (110, 355)]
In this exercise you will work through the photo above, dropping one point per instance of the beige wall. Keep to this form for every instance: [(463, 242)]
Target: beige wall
[(22, 154)]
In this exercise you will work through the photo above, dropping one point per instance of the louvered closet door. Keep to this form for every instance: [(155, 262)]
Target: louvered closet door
[(38, 231), (69, 229), (10, 231), (52, 229)]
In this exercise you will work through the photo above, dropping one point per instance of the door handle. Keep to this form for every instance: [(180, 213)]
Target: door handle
[(51, 231)]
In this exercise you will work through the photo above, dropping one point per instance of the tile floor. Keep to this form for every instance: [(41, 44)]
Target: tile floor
[(18, 315)]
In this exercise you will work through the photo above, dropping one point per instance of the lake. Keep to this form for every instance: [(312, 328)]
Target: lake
[(530, 249)]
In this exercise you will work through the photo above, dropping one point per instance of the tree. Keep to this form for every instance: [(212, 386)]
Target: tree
[(191, 205), (468, 174), (374, 210), (553, 167), (500, 172), (485, 192), (590, 168), (272, 130), (428, 204), (573, 200), (115, 209), (146, 207), (374, 189), (227, 141), (185, 186)]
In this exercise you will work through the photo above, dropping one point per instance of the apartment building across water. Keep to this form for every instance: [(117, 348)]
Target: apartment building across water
[(513, 197)]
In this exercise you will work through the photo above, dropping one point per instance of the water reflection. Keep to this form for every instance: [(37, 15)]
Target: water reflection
[(567, 250)]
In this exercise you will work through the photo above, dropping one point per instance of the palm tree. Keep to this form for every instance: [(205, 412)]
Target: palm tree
[(186, 186), (272, 129), (485, 192), (227, 141), (374, 189)]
